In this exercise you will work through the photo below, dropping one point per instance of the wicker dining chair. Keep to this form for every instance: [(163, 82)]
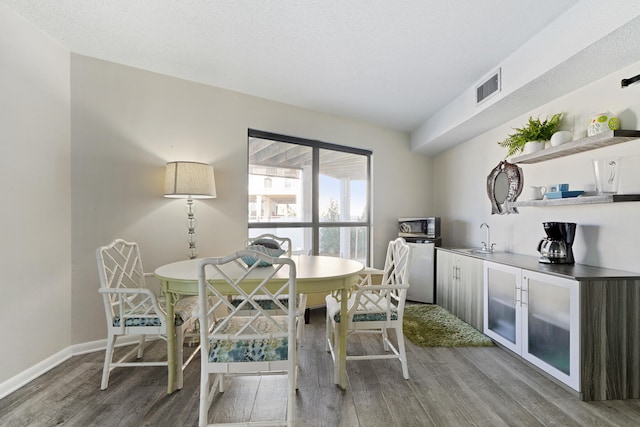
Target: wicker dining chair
[(241, 344), (375, 308), (132, 309)]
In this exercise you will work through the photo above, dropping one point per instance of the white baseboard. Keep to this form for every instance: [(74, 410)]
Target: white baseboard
[(28, 375), (34, 372)]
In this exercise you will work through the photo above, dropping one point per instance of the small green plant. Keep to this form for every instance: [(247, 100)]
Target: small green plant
[(535, 130)]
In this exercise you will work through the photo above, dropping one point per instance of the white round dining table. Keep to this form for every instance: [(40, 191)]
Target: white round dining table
[(315, 273)]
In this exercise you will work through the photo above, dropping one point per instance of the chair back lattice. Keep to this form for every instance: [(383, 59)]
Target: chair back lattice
[(222, 276), (123, 287), (396, 265), (283, 242), (387, 298)]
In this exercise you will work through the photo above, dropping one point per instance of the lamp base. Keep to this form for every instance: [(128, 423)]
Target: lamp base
[(191, 228)]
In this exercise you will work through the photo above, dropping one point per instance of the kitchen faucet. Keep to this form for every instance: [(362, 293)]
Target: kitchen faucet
[(487, 246)]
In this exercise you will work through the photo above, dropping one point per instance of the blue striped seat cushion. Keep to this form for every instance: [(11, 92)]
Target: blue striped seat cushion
[(186, 308), (333, 308), (253, 350), (266, 303), (272, 252)]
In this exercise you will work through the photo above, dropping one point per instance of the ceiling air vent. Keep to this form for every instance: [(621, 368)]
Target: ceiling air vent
[(489, 87)]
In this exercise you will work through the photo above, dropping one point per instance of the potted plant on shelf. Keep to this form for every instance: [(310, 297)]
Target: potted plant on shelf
[(531, 138)]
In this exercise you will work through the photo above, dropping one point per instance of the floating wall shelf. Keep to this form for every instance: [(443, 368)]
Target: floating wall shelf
[(580, 200), (579, 145)]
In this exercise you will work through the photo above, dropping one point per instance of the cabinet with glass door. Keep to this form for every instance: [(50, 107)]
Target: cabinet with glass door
[(535, 315)]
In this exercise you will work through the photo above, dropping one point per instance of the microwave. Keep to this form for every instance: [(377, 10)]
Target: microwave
[(419, 227)]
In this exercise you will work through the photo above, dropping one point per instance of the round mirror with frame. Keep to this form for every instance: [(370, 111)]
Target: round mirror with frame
[(504, 185)]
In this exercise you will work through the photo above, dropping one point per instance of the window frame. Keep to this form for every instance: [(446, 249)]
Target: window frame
[(315, 224)]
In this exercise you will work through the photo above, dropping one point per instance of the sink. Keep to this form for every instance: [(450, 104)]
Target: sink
[(477, 251)]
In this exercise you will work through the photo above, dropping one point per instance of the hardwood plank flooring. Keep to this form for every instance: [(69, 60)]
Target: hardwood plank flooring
[(448, 387)]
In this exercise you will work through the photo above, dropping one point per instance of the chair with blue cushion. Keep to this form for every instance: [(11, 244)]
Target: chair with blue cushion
[(271, 241), (375, 308), (239, 344), (272, 245), (134, 310)]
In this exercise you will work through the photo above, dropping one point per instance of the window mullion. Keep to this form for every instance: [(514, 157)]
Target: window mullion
[(315, 200)]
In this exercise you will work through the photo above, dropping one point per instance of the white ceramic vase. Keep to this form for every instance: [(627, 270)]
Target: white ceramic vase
[(533, 146), (561, 137)]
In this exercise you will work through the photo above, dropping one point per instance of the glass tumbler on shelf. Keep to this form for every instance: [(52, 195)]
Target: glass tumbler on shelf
[(607, 175)]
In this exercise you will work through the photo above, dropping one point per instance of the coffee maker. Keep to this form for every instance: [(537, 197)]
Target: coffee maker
[(557, 247)]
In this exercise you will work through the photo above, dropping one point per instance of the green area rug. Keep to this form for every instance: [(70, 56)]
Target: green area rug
[(429, 325)]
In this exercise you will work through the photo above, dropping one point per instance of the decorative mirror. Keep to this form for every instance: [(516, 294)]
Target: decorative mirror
[(504, 185)]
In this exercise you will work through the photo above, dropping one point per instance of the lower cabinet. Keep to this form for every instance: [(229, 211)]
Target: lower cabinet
[(459, 286), (535, 315)]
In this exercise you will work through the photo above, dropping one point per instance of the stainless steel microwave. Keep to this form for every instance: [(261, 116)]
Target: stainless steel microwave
[(419, 227)]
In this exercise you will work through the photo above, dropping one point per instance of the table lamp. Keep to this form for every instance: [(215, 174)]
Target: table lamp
[(190, 180)]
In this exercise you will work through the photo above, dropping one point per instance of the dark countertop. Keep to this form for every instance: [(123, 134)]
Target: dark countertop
[(578, 272)]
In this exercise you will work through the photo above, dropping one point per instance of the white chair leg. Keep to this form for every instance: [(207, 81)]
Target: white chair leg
[(179, 357), (141, 347), (336, 351), (300, 328), (203, 416), (108, 357), (221, 382), (291, 398), (327, 333), (403, 353), (385, 339)]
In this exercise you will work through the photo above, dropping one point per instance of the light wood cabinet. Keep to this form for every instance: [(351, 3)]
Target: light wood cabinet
[(459, 286)]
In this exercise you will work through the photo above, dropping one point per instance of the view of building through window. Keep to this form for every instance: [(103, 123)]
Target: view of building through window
[(315, 193)]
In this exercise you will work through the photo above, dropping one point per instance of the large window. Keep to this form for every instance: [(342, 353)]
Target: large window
[(313, 192)]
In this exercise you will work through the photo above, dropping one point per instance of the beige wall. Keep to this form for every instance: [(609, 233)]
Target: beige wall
[(127, 123), (85, 146), (607, 235), (86, 142), (35, 250)]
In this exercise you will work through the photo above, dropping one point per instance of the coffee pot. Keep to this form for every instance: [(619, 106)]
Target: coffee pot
[(550, 248), (557, 247)]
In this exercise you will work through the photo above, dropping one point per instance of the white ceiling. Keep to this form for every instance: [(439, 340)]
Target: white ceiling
[(390, 62)]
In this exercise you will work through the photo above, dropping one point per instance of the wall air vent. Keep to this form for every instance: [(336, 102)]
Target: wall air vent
[(489, 88)]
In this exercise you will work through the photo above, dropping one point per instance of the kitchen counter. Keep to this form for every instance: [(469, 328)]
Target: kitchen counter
[(606, 321), (579, 272)]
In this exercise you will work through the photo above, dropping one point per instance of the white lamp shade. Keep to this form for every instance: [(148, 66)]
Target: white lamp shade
[(189, 180)]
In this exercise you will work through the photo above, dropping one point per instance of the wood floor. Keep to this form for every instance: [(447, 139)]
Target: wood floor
[(448, 387)]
